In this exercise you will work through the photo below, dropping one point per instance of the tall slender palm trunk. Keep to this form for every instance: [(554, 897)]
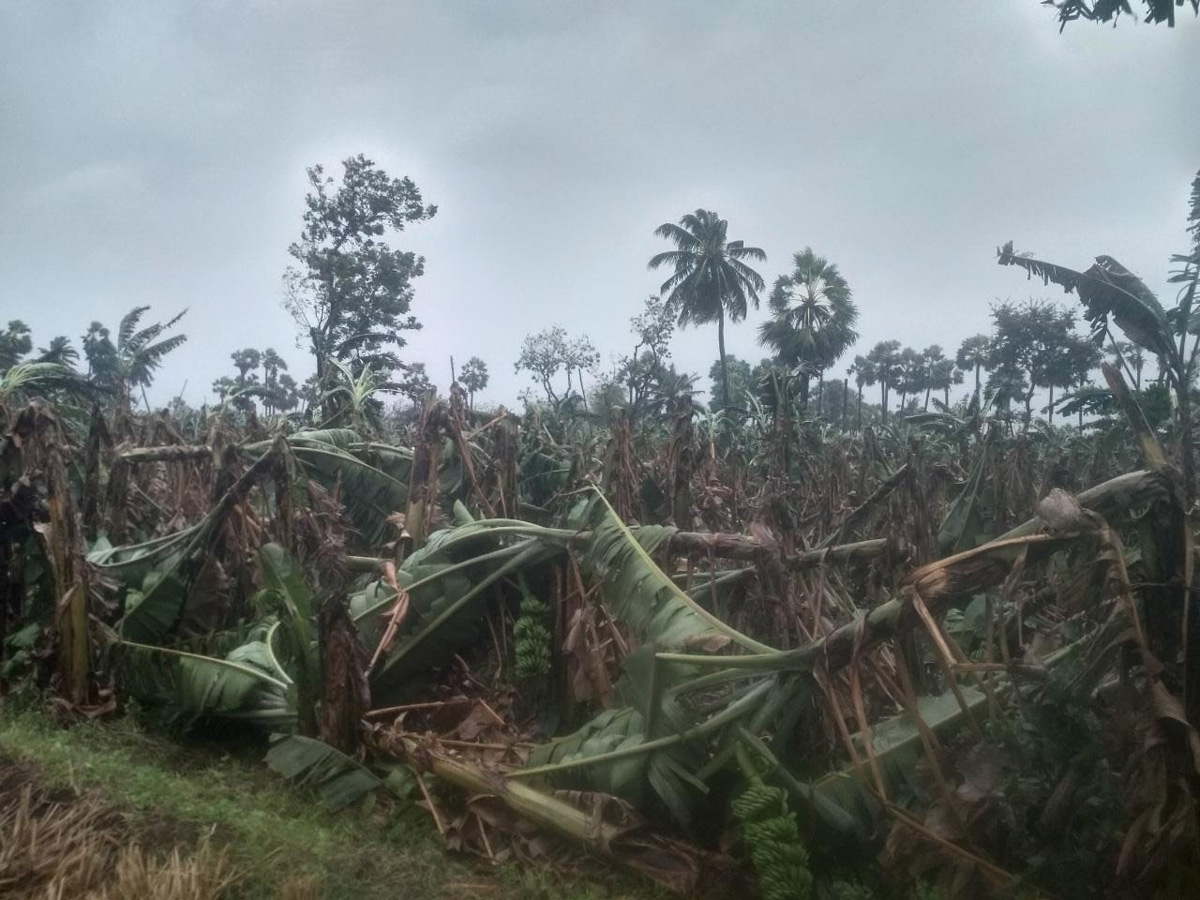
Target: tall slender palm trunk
[(724, 368)]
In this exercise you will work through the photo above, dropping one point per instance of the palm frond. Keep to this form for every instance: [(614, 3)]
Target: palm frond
[(683, 238), (29, 377)]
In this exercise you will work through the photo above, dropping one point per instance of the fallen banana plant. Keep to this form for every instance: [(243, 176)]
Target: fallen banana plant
[(673, 864)]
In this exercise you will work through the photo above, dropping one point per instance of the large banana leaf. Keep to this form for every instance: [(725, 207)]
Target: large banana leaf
[(131, 563), (1107, 289), (448, 582), (336, 778), (285, 595), (613, 729), (336, 458), (168, 566), (248, 685), (667, 763), (157, 576), (897, 748), (638, 593), (284, 589), (613, 753), (341, 438)]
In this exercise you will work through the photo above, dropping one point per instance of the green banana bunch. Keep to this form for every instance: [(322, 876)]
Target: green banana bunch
[(770, 831), (532, 638)]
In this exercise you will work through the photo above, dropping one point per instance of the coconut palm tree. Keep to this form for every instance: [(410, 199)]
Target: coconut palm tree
[(812, 317), (59, 351), (710, 280)]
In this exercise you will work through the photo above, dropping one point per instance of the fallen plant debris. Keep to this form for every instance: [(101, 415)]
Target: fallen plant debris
[(915, 648)]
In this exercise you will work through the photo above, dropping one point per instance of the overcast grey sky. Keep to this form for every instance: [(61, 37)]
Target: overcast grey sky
[(155, 153)]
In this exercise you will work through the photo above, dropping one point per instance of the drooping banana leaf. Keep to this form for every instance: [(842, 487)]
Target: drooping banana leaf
[(897, 749), (450, 472), (337, 458), (613, 729), (285, 589), (158, 574), (341, 438), (336, 778), (664, 772), (542, 476), (639, 594), (285, 595), (612, 752), (248, 685), (131, 563), (393, 461), (662, 617), (448, 583), (1107, 289)]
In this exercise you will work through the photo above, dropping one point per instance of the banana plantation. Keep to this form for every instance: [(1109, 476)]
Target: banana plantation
[(845, 623), (950, 654)]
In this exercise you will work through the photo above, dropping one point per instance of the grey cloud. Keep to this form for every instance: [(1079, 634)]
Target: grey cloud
[(154, 153)]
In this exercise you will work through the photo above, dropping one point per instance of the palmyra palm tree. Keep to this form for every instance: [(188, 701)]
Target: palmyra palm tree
[(973, 356), (862, 370), (884, 360), (710, 280), (812, 317)]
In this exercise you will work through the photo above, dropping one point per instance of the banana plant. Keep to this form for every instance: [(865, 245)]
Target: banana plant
[(371, 479), (448, 583), (354, 395), (248, 684)]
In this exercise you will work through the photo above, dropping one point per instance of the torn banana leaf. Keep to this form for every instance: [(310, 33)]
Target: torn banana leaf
[(448, 581), (336, 778), (248, 684), (371, 482), (639, 594)]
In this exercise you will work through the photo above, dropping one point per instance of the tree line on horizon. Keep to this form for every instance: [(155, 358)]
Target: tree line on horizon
[(350, 294)]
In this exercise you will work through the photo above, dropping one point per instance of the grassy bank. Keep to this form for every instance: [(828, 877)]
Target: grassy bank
[(169, 793)]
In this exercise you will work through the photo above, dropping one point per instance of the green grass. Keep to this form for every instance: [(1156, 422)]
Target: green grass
[(174, 791)]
